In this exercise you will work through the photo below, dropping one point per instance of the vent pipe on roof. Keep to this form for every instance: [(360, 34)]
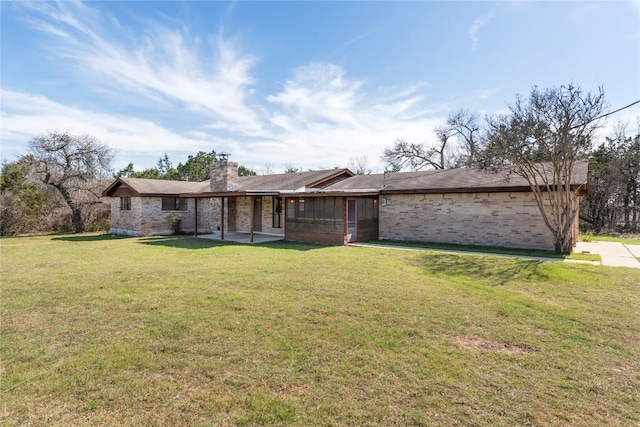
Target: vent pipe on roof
[(223, 157)]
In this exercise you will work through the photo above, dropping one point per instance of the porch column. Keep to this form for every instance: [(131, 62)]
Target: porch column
[(195, 232), (251, 214), (222, 219)]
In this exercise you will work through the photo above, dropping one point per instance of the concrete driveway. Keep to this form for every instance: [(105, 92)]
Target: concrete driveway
[(612, 253)]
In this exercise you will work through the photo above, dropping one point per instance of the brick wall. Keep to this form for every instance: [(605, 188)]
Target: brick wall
[(329, 231), (492, 219), (367, 230), (146, 217), (125, 222), (241, 215)]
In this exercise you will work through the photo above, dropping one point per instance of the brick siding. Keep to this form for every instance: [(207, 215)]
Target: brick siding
[(146, 217), (492, 219)]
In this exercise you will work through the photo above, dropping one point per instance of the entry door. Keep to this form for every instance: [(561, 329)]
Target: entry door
[(352, 220), (257, 214)]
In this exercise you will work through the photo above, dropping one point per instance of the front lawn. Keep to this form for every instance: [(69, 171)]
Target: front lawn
[(178, 331)]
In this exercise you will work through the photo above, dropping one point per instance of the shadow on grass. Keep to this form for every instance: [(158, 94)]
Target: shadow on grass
[(291, 245), (469, 248), (90, 237), (187, 242), (494, 271), (183, 242)]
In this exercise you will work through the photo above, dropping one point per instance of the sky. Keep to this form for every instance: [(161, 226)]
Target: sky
[(295, 84)]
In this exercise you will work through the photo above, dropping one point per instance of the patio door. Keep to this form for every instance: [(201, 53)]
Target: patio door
[(257, 214), (352, 220)]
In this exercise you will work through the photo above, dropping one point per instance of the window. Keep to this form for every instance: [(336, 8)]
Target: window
[(174, 204), (277, 212), (125, 203)]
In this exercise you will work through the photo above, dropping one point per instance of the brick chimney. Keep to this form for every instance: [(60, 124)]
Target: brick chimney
[(224, 175)]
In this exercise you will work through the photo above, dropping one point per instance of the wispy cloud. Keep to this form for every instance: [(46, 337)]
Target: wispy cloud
[(477, 24), (321, 107), (319, 117), (24, 113), (210, 77)]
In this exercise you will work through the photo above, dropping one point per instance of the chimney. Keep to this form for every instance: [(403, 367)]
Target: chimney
[(224, 174)]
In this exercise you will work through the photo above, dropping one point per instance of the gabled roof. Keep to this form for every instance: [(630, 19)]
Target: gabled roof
[(156, 187), (447, 180), (286, 182), (292, 181)]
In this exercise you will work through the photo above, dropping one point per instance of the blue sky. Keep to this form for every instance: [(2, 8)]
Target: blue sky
[(305, 84)]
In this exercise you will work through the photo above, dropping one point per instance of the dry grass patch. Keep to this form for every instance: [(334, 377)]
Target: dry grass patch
[(475, 343)]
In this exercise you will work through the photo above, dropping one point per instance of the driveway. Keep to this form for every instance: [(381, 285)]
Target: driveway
[(612, 253)]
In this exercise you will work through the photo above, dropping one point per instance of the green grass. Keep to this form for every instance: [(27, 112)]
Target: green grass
[(177, 331), (609, 238), (488, 250)]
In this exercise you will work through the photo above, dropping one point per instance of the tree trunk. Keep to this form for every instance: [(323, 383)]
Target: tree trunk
[(626, 204), (635, 206), (76, 210), (76, 216), (562, 242)]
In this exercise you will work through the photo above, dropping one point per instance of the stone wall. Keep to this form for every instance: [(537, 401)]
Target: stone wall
[(224, 176), (486, 219)]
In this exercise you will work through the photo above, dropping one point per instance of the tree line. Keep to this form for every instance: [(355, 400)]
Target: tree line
[(56, 186), (196, 168)]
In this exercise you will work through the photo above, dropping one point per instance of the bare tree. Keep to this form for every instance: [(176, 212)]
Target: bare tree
[(73, 165), (289, 168), (541, 139), (360, 165), (464, 126), (268, 169), (458, 145), (417, 157)]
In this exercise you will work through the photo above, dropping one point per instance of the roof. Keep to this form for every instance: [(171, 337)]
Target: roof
[(286, 182), (156, 187), (340, 181), (291, 181), (446, 180)]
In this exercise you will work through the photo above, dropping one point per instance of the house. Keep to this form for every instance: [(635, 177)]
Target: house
[(463, 206), (225, 203)]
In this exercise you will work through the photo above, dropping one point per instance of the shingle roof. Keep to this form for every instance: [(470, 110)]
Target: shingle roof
[(274, 183), (144, 186), (432, 181), (444, 180), (289, 181)]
